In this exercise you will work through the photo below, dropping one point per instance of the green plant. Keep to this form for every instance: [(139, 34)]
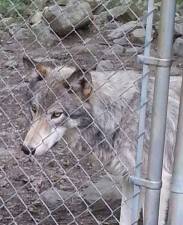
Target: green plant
[(10, 7), (179, 1)]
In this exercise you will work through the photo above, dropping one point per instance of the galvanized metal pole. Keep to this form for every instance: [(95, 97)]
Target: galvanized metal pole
[(175, 216), (142, 111), (159, 111)]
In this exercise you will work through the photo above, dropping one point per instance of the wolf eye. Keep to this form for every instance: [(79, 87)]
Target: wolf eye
[(34, 108), (56, 115)]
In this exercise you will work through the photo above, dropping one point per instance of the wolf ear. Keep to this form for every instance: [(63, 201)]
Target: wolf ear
[(79, 82), (30, 65)]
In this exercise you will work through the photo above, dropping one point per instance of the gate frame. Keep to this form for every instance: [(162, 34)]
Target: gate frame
[(159, 113)]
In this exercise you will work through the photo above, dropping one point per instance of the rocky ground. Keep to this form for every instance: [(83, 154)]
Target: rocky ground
[(109, 38)]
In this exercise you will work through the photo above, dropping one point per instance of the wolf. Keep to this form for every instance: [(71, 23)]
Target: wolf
[(96, 110)]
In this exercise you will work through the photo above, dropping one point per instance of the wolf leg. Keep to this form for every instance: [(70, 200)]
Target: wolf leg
[(165, 191), (126, 205), (104, 188)]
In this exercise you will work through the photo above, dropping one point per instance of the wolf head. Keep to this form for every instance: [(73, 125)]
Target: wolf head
[(59, 101)]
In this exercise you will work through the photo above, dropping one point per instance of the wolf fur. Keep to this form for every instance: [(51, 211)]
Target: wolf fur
[(97, 110)]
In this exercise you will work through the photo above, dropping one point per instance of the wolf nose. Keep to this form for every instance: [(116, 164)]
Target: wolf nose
[(27, 150)]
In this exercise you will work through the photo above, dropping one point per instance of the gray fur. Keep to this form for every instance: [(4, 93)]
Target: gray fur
[(106, 121)]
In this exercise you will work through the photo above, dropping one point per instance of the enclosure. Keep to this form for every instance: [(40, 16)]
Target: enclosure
[(131, 51)]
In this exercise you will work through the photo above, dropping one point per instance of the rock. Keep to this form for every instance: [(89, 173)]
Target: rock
[(36, 18), (179, 27), (100, 20), (105, 65), (127, 10), (82, 49), (112, 4), (44, 35), (38, 32), (110, 14), (138, 35), (92, 3), (180, 9), (24, 34), (136, 9), (62, 2), (62, 20), (178, 47), (115, 3), (116, 49), (175, 71), (123, 29), (6, 22), (15, 27), (112, 25), (40, 4), (118, 11), (121, 41), (133, 50)]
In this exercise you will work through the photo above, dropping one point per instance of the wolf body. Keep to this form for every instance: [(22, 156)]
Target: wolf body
[(97, 111)]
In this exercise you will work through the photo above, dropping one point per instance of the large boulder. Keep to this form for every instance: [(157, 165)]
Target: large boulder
[(40, 4), (105, 65), (36, 18), (64, 19), (92, 3), (38, 32), (108, 13), (179, 27), (62, 2), (115, 50), (178, 47), (122, 10), (111, 4), (6, 22), (23, 34), (121, 41), (43, 34), (138, 35), (123, 29)]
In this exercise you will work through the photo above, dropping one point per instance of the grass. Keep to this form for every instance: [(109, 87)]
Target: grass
[(179, 1), (7, 7)]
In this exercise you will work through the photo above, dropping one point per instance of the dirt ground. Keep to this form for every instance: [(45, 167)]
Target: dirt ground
[(23, 179)]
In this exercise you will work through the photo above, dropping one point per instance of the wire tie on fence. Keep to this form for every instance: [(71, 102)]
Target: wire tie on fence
[(153, 185), (149, 60), (139, 164), (141, 135), (142, 105), (144, 18)]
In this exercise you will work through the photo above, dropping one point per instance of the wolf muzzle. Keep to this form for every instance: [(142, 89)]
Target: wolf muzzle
[(27, 150)]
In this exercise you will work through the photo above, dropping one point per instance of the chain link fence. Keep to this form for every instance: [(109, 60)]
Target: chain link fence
[(74, 102)]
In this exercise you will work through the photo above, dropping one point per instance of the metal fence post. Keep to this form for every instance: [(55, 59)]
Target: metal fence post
[(159, 110), (142, 111), (176, 199)]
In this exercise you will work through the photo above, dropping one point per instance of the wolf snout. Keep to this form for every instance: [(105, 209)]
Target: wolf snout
[(27, 150)]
